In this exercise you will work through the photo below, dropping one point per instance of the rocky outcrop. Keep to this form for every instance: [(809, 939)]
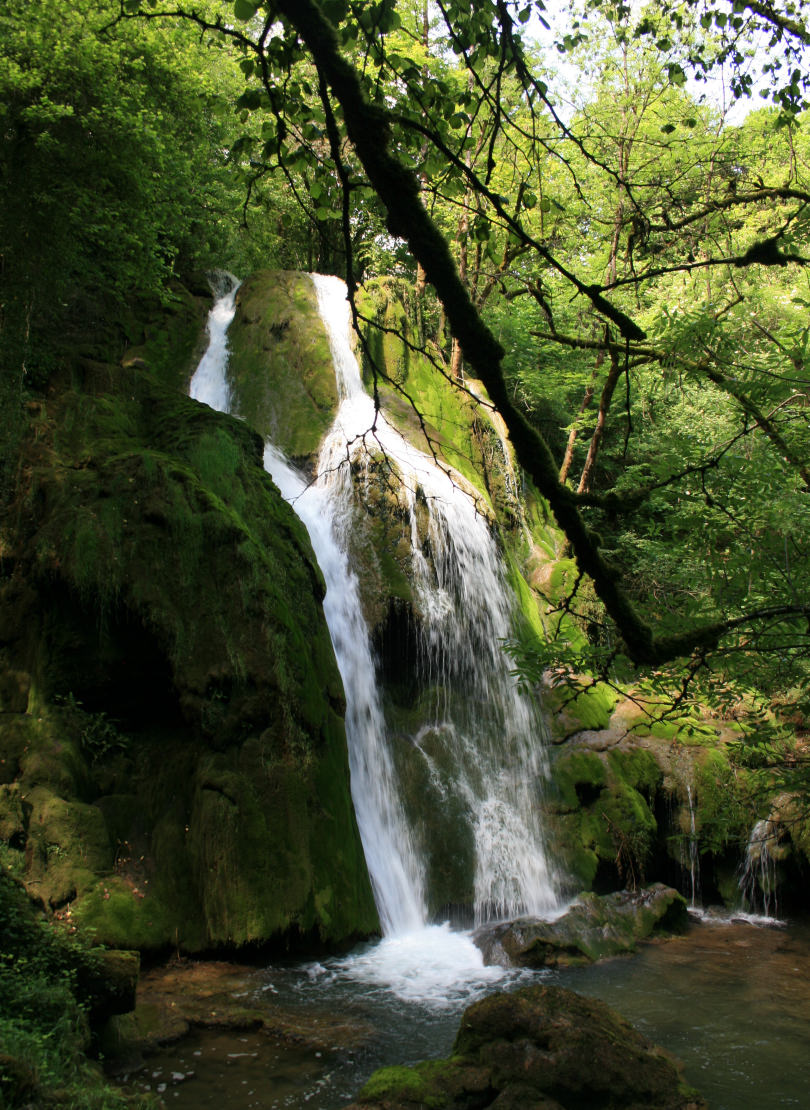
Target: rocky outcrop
[(593, 928), (281, 372), (539, 1048), (173, 768), (635, 795)]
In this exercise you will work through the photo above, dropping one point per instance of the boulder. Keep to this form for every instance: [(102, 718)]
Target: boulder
[(539, 1048), (593, 928)]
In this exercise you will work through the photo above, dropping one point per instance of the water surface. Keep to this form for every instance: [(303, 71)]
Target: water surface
[(730, 999)]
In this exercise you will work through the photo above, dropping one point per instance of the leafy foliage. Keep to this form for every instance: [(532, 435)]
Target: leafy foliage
[(44, 1031)]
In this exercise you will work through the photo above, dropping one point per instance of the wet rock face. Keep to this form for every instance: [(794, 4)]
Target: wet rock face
[(540, 1048), (593, 928)]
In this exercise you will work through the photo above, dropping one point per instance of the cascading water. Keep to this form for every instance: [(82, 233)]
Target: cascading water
[(209, 383), (392, 862), (488, 731), (396, 875), (758, 873)]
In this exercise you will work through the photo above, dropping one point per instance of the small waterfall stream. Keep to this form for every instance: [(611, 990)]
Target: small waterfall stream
[(210, 383), (758, 886), (491, 733)]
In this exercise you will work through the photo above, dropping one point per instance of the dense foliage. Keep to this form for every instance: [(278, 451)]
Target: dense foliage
[(623, 265), (44, 1008)]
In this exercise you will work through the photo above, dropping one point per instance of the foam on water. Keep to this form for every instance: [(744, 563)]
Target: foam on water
[(435, 966)]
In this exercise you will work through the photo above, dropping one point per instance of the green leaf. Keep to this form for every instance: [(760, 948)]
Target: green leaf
[(244, 9), (668, 128)]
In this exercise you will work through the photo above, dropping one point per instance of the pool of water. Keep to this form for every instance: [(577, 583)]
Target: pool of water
[(730, 999)]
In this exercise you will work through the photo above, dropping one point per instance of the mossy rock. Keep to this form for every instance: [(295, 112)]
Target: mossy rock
[(572, 710), (435, 414), (167, 338), (183, 756), (280, 369), (543, 1047), (602, 807), (67, 844), (594, 928)]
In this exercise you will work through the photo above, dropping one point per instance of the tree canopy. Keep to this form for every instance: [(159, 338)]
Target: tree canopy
[(625, 270)]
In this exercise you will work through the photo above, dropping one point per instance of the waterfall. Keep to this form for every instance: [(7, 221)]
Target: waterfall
[(482, 744), (209, 383), (490, 733), (392, 861), (694, 851), (396, 874), (758, 873)]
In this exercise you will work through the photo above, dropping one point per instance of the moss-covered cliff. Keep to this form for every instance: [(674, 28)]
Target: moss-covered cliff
[(281, 376), (174, 765)]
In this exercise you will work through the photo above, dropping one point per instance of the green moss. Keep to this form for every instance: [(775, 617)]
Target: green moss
[(280, 368), (432, 1084), (421, 400), (526, 600), (174, 608), (67, 845), (581, 769), (722, 799), (116, 915), (637, 767), (604, 805), (587, 709), (168, 337)]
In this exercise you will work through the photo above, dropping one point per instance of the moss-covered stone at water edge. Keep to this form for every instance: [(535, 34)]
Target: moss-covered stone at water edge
[(543, 1047)]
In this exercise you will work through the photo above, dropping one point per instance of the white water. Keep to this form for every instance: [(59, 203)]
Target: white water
[(434, 967), (209, 383), (491, 730), (487, 731), (396, 875), (758, 873)]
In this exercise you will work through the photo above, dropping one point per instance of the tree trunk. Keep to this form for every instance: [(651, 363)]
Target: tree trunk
[(599, 430), (568, 457)]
